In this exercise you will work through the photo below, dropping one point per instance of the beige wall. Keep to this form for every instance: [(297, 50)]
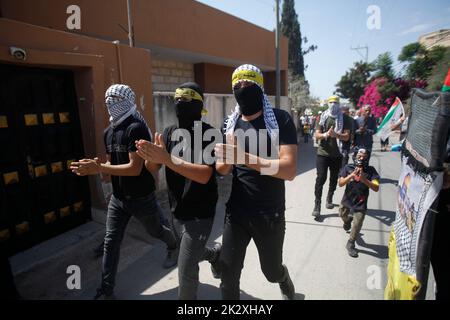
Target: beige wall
[(441, 38)]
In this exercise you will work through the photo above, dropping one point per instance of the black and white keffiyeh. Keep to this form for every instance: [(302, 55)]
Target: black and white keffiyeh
[(121, 103)]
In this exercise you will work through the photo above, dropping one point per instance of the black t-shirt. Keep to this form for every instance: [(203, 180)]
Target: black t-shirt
[(189, 199), (119, 141), (357, 193), (253, 193)]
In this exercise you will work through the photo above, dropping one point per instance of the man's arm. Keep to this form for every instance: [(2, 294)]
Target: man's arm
[(223, 169), (152, 167), (286, 163), (343, 181), (158, 154), (374, 184), (200, 173), (94, 166), (285, 166), (345, 136)]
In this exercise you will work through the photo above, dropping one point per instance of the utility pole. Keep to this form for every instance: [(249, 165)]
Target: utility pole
[(277, 56), (366, 57), (130, 24)]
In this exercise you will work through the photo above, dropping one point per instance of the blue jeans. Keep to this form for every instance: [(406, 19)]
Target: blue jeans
[(144, 209), (193, 235)]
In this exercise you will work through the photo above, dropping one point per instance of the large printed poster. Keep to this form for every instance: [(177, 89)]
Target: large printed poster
[(416, 194)]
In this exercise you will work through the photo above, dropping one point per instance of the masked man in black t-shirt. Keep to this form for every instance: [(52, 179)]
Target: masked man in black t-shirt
[(358, 179), (133, 185), (261, 151), (191, 182)]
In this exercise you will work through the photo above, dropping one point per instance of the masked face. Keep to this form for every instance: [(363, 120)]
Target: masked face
[(117, 107), (188, 112), (249, 98), (334, 108), (362, 160)]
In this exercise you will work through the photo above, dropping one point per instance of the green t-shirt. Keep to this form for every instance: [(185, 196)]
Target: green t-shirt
[(329, 147)]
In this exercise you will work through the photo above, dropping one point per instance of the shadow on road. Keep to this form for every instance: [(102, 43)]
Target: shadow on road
[(388, 181), (306, 156), (323, 217), (384, 216), (378, 251), (205, 292)]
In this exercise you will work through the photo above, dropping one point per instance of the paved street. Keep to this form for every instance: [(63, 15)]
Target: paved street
[(314, 251)]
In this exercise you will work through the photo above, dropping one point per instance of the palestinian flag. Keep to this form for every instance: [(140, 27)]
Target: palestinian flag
[(391, 118), (446, 86)]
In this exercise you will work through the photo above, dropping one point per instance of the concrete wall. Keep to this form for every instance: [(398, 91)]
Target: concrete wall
[(96, 65), (218, 106)]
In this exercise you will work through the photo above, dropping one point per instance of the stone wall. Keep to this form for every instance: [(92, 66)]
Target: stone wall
[(168, 74)]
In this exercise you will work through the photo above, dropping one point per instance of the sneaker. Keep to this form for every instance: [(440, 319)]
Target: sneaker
[(351, 249), (103, 294), (171, 258), (348, 224), (215, 262), (316, 211), (287, 287)]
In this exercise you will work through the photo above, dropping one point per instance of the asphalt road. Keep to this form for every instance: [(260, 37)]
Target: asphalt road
[(313, 251)]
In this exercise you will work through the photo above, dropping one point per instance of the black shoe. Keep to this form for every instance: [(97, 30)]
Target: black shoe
[(329, 204), (103, 294), (316, 211), (171, 258), (98, 252), (215, 262), (351, 249), (348, 225), (287, 287)]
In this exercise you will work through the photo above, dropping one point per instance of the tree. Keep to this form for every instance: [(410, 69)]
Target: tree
[(290, 28), (299, 93), (383, 66), (439, 72), (352, 84), (420, 60)]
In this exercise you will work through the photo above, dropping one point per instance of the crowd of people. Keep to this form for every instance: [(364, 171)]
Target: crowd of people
[(255, 209)]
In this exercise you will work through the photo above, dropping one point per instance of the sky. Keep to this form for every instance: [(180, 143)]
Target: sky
[(337, 25)]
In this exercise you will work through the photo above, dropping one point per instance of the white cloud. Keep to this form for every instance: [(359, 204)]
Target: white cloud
[(415, 29)]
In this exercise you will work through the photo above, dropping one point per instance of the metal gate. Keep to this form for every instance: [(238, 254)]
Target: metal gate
[(40, 135)]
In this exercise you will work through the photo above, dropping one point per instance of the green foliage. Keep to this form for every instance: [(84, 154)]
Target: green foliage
[(352, 84), (383, 66), (290, 28), (410, 51), (420, 60), (438, 73)]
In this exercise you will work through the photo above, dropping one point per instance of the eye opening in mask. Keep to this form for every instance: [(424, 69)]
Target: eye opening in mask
[(243, 84)]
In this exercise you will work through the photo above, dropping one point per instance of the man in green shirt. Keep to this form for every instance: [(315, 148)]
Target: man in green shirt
[(332, 129)]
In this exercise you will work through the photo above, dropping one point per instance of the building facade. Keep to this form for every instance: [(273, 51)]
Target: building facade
[(57, 58)]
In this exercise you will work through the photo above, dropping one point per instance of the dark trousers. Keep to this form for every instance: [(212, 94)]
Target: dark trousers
[(192, 235), (440, 256), (144, 209), (322, 165), (267, 231)]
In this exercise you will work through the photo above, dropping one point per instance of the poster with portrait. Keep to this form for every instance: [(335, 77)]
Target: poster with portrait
[(416, 194)]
